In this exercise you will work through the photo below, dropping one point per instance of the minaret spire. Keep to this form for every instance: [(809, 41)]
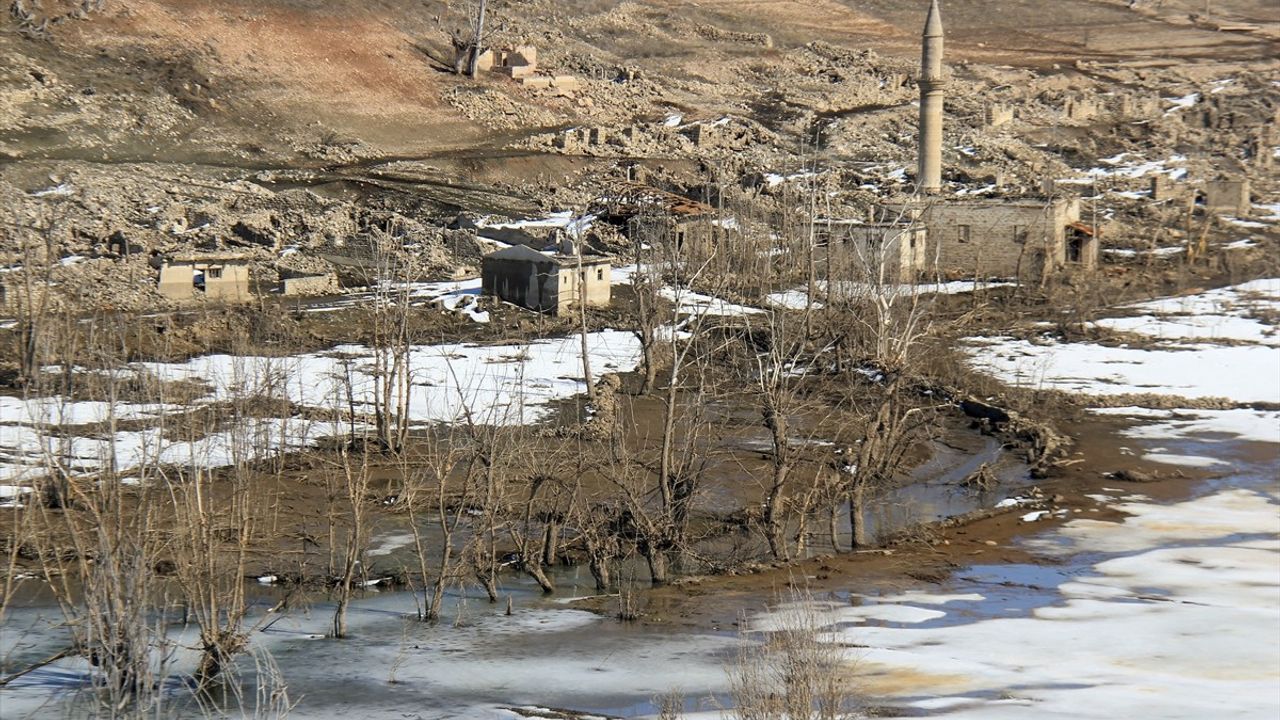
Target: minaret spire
[(932, 84)]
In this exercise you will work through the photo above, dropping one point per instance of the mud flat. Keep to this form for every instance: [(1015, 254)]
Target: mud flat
[(1130, 598)]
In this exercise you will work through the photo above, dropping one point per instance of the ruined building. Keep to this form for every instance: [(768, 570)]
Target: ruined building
[(546, 283), (1029, 238), (1228, 197), (1008, 238), (212, 276), (893, 251)]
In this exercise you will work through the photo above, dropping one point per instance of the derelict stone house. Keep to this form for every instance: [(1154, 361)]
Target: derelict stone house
[(547, 283), (859, 250), (1228, 197), (221, 277), (1008, 238)]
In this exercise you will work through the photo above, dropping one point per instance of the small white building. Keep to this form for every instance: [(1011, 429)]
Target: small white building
[(220, 277)]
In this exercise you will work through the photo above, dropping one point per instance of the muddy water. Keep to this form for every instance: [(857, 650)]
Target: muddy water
[(934, 492), (478, 658), (545, 654)]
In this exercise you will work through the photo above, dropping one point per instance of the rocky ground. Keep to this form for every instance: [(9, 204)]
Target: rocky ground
[(285, 129), (306, 136)]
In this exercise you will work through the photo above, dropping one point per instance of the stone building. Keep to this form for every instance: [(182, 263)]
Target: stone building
[(1008, 238), (1228, 197), (860, 250), (220, 277), (518, 62), (543, 282)]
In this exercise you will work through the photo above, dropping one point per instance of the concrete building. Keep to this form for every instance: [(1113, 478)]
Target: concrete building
[(932, 87), (216, 277), (546, 283), (1025, 238)]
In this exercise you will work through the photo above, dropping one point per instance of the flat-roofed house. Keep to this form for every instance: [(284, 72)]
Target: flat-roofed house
[(550, 283)]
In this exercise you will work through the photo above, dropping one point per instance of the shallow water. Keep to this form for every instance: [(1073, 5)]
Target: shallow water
[(1116, 610)]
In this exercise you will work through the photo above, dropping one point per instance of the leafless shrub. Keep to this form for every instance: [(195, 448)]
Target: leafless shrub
[(792, 671), (670, 705), (628, 603)]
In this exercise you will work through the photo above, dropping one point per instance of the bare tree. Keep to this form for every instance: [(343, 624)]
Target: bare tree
[(885, 319), (217, 514), (390, 340), (647, 233), (97, 552), (776, 371), (658, 494), (472, 40), (427, 484), (581, 281), (354, 476)]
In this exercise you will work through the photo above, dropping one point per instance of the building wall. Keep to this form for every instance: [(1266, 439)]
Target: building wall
[(599, 286), (1000, 238), (527, 284), (1228, 196), (176, 281), (904, 250), (311, 285), (222, 281), (225, 281)]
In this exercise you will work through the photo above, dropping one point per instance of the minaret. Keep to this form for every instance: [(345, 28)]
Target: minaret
[(929, 173)]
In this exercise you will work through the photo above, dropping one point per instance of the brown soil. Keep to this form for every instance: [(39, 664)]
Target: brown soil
[(719, 602)]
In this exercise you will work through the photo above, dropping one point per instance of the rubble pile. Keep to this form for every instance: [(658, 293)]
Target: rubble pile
[(111, 229), (693, 102)]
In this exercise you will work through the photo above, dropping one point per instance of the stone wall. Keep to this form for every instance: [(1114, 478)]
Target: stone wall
[(998, 114), (1228, 197), (859, 250), (1000, 238), (310, 285)]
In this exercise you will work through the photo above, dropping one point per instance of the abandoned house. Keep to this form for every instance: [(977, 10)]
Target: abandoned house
[(517, 62), (219, 276), (1228, 197), (651, 215), (858, 250), (1008, 238), (546, 283)]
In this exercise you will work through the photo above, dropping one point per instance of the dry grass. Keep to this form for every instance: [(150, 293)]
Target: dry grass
[(795, 671)]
